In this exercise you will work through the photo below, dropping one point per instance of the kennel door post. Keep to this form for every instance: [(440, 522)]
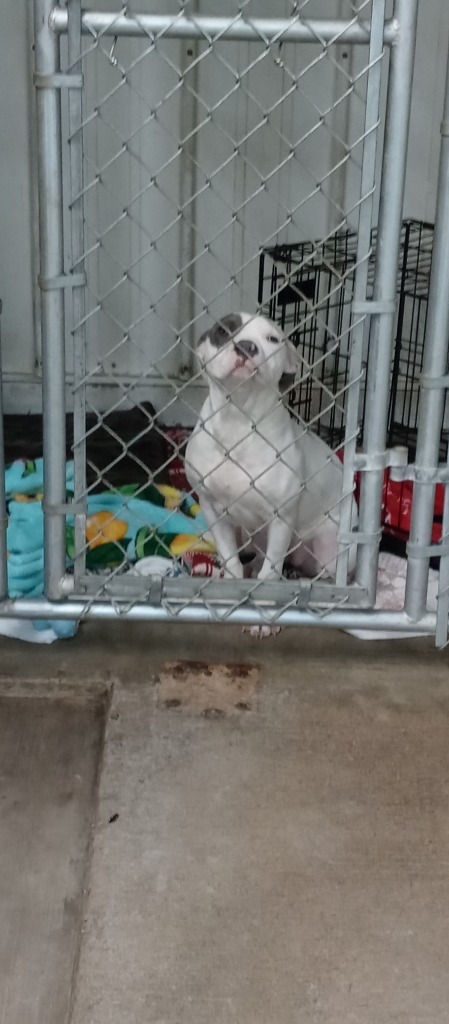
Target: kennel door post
[(79, 292), (52, 283), (433, 391), (364, 237), (384, 292)]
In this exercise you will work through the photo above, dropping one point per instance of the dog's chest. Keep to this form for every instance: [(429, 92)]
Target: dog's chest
[(241, 476)]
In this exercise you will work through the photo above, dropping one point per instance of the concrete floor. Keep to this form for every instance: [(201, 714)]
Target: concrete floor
[(49, 757), (281, 862)]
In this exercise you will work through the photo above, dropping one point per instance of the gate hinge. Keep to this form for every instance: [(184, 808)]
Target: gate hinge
[(421, 475), (48, 284), (67, 508), (357, 537), (428, 550), (373, 306), (435, 382), (392, 458), (58, 81)]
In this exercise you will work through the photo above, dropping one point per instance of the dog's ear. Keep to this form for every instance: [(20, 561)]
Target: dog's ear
[(291, 366)]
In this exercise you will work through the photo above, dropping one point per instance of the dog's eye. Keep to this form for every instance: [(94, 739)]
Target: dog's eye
[(274, 338)]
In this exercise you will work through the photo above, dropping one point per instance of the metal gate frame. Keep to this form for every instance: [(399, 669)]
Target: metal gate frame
[(399, 35)]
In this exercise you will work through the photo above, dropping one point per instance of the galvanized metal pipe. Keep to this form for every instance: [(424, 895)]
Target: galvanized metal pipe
[(443, 579), (172, 26), (384, 292), (78, 294), (367, 189), (37, 608), (188, 186), (48, 108), (431, 399)]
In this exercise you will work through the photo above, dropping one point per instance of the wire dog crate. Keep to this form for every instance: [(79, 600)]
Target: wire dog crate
[(413, 290), (308, 289)]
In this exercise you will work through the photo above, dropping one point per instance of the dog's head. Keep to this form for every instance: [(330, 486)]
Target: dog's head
[(242, 347)]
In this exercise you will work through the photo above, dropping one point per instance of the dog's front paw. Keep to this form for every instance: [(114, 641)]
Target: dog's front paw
[(260, 632), (269, 574), (228, 574)]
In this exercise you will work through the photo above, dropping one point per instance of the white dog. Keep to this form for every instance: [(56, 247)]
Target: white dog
[(261, 477)]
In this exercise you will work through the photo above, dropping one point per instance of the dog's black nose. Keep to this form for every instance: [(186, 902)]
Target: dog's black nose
[(245, 348)]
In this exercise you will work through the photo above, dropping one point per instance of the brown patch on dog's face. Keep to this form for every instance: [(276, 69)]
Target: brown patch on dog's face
[(224, 330), (218, 337)]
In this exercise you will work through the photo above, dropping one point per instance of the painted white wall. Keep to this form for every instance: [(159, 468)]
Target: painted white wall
[(427, 109), (231, 214), (17, 169)]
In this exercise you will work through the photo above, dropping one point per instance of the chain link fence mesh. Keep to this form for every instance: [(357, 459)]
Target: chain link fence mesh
[(197, 155)]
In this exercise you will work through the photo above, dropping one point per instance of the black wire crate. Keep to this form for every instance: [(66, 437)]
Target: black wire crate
[(411, 321), (307, 288)]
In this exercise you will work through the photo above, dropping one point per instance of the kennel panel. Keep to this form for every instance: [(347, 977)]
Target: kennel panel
[(207, 135)]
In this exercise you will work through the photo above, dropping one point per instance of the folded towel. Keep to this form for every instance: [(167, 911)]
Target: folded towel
[(26, 476), (121, 527)]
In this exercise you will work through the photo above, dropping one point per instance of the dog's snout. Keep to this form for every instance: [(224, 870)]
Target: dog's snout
[(245, 348)]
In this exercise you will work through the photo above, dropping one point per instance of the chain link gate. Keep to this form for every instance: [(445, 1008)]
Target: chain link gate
[(174, 148)]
